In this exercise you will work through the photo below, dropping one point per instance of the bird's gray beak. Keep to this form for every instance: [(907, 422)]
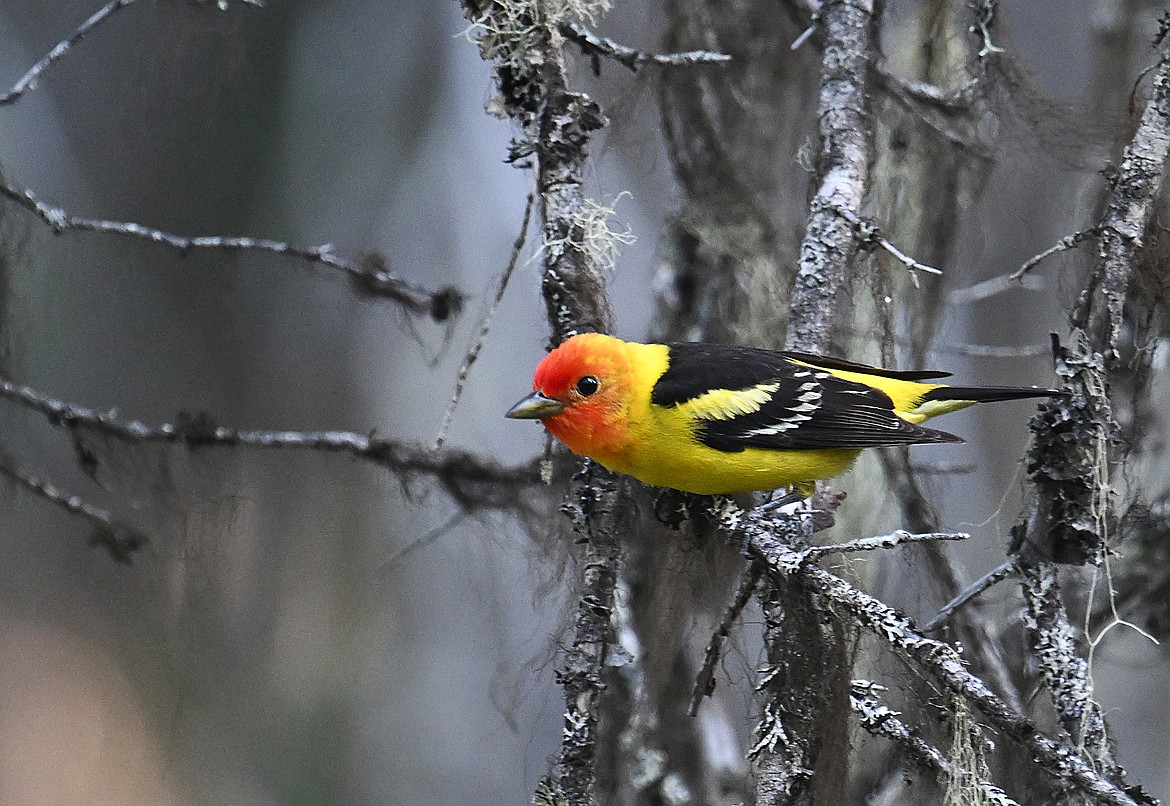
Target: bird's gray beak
[(535, 407)]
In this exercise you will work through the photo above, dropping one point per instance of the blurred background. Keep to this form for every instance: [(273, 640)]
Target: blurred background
[(304, 627)]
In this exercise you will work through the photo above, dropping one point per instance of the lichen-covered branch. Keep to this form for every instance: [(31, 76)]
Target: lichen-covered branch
[(524, 42), (826, 253), (880, 720), (1069, 464), (1065, 673), (1131, 205), (940, 661), (804, 718)]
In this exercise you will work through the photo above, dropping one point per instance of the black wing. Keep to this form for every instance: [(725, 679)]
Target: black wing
[(747, 397)]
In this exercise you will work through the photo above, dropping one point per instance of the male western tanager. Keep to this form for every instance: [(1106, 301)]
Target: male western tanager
[(713, 419)]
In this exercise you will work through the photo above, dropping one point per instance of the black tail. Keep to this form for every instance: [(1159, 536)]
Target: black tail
[(984, 394)]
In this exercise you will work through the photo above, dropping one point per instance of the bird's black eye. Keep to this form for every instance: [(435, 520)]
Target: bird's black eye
[(587, 386)]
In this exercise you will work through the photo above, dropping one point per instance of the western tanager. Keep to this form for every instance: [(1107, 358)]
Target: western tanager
[(713, 419)]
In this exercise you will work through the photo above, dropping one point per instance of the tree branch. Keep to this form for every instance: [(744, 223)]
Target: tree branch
[(60, 50), (1131, 205), (705, 679), (802, 637), (829, 243), (880, 720), (976, 588), (472, 481), (369, 276), (935, 658), (484, 327), (1064, 244), (523, 40), (117, 538), (593, 45), (1070, 459)]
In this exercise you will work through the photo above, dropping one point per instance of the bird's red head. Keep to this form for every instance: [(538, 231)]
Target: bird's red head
[(581, 394)]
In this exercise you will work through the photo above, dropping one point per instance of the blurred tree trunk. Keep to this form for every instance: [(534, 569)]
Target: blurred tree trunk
[(405, 625)]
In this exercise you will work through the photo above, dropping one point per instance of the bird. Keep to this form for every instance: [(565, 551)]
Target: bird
[(717, 419)]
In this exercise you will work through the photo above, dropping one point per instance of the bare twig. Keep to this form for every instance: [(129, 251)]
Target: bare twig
[(976, 588), (880, 720), (484, 328), (369, 277), (594, 45), (889, 541), (869, 234), (993, 350), (1064, 244), (705, 679), (63, 47), (995, 285), (424, 540), (120, 540), (909, 90), (956, 131), (60, 49), (984, 20)]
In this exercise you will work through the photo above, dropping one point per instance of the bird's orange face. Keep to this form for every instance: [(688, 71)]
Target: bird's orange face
[(579, 394)]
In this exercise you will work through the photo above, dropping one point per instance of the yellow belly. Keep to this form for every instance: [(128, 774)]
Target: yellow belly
[(714, 473)]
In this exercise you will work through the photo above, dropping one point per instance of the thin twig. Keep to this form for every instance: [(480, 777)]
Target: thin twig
[(60, 49), (484, 328), (889, 541), (995, 285), (993, 350), (985, 582), (950, 102), (63, 47), (118, 539), (966, 141), (594, 45), (984, 19), (705, 679), (805, 35), (428, 537), (369, 277), (1067, 242), (869, 234)]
